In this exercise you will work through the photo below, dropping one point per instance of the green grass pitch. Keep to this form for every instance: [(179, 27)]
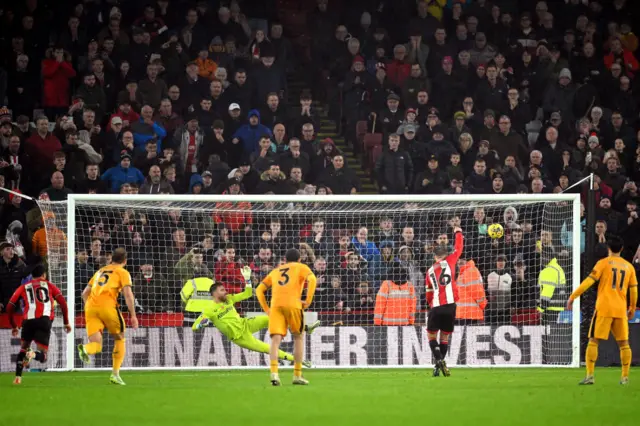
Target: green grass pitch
[(487, 397)]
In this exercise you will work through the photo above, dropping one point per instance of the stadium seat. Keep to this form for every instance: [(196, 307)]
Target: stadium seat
[(375, 153), (371, 141), (361, 130)]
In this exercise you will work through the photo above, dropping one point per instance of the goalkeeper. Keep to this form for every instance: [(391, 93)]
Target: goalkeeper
[(223, 315)]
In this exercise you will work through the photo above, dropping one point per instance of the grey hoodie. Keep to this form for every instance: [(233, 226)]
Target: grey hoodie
[(155, 188), (84, 143)]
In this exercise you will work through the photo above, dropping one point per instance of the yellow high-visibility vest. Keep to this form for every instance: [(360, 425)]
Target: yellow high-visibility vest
[(553, 288), (195, 294)]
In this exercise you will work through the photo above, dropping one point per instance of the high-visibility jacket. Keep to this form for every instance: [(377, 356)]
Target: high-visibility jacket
[(553, 288), (395, 304), (195, 294), (471, 296)]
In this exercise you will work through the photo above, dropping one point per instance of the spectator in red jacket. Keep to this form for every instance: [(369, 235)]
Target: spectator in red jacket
[(41, 146), (622, 56), (57, 71), (236, 216), (601, 190), (227, 271), (125, 112), (399, 69)]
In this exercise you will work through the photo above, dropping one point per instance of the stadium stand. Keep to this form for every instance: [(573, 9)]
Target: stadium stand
[(288, 97)]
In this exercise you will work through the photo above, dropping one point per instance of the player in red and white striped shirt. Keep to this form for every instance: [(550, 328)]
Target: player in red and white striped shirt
[(442, 295), (38, 297)]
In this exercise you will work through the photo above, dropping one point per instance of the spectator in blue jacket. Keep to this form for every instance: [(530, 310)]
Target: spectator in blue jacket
[(195, 184), (363, 246), (145, 129), (118, 175), (250, 134), (368, 250)]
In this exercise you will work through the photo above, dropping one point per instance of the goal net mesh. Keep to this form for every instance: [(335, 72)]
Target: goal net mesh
[(370, 259)]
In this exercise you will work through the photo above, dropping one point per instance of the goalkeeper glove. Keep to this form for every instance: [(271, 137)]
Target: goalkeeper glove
[(200, 323), (246, 274)]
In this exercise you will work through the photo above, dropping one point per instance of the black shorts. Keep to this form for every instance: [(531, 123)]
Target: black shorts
[(442, 318), (37, 330)]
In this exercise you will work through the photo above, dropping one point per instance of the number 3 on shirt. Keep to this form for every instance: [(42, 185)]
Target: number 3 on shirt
[(284, 273)]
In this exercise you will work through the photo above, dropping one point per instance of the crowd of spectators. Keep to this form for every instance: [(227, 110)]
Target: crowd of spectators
[(480, 97), (170, 97)]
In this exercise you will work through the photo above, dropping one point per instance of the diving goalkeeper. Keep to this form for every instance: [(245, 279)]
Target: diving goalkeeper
[(223, 315)]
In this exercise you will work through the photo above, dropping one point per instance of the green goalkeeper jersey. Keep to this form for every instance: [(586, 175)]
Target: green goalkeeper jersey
[(225, 317)]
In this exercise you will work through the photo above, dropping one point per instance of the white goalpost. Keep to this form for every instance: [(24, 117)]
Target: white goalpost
[(356, 245)]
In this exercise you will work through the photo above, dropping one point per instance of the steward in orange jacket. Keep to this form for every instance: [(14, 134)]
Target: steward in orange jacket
[(471, 296), (395, 304)]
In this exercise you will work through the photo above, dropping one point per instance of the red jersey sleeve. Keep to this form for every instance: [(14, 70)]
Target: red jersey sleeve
[(458, 246), (19, 293), (55, 291)]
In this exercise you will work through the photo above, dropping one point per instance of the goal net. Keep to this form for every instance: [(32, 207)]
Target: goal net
[(370, 255)]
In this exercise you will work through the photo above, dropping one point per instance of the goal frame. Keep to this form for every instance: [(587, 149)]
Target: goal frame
[(358, 198)]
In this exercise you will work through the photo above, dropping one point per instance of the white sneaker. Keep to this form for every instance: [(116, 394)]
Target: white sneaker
[(275, 379), (299, 380)]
